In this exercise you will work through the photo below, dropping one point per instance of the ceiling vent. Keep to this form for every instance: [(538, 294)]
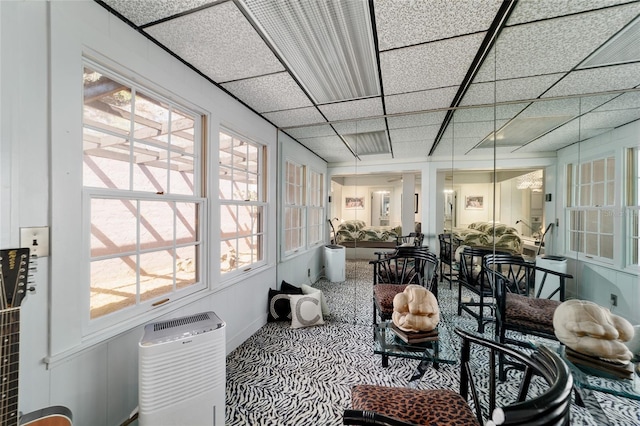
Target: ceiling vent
[(521, 131), (622, 48), (327, 45), (368, 143)]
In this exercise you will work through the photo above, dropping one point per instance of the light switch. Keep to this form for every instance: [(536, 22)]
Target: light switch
[(37, 239)]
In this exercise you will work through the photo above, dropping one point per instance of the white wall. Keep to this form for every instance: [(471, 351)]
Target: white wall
[(40, 124)]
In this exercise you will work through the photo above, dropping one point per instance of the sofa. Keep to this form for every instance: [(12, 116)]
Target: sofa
[(484, 234)]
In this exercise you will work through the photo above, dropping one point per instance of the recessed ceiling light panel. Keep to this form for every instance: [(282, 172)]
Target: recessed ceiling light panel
[(327, 45)]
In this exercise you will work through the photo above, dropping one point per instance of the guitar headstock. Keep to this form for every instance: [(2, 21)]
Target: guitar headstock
[(14, 270)]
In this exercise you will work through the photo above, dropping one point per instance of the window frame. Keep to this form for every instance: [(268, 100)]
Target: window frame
[(260, 203), (319, 208), (294, 201), (96, 326), (578, 209)]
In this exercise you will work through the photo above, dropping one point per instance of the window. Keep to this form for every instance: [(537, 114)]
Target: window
[(633, 206), (242, 205), (591, 222), (142, 191), (315, 225), (294, 207)]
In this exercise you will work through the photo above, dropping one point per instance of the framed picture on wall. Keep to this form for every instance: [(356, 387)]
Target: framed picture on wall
[(354, 202), (474, 202)]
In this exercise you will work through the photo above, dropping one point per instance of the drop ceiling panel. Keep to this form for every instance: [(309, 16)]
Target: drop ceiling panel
[(295, 117), (366, 126), (265, 93), (311, 131), (406, 23), (615, 77), (415, 150), (145, 12), (470, 115), (415, 120), (528, 11), (352, 109), (429, 66), (532, 49), (509, 90), (424, 134), (420, 101), (220, 42)]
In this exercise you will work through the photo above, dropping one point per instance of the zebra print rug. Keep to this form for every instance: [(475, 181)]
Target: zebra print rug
[(284, 376)]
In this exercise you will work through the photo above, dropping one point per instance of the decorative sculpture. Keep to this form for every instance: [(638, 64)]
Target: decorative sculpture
[(591, 329), (415, 309)]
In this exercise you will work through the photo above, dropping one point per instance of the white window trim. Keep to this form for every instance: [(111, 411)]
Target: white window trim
[(228, 278)]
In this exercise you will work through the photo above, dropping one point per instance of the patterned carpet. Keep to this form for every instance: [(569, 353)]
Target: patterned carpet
[(284, 376)]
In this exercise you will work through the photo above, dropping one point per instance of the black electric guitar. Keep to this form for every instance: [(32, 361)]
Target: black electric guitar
[(14, 270)]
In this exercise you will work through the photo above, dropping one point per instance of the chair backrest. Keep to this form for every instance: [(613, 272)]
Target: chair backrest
[(407, 265), (447, 248), (414, 238), (511, 273), (471, 271), (550, 407)]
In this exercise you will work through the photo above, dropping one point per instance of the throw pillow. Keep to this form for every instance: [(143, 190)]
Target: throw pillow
[(290, 288), (279, 306), (307, 289), (305, 310)]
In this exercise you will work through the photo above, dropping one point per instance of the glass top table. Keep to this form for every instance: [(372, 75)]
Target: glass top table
[(586, 380), (388, 344)]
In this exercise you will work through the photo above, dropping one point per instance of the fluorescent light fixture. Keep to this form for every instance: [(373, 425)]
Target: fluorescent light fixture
[(520, 131), (328, 45), (622, 48), (368, 143)]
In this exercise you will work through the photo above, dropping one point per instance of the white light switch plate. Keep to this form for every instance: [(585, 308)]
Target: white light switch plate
[(37, 239)]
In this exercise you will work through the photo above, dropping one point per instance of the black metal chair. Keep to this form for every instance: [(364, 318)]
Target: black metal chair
[(519, 305), (383, 405), (392, 273), (413, 239), (448, 246), (472, 276)]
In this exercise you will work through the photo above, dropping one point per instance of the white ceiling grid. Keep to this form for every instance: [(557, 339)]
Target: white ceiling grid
[(267, 54)]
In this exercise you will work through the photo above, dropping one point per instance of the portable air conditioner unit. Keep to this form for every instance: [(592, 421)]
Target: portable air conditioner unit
[(181, 372)]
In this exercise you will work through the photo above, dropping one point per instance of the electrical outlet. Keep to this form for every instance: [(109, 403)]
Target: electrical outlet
[(614, 300), (37, 239)]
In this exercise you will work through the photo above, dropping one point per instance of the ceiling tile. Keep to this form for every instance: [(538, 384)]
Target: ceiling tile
[(405, 23), (143, 12), (508, 90), (615, 77), (220, 42), (295, 117), (264, 93), (415, 149), (352, 127), (428, 66), (420, 101), (469, 115), (352, 109), (425, 134), (528, 11), (311, 131), (532, 49), (624, 101), (555, 140), (415, 120)]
